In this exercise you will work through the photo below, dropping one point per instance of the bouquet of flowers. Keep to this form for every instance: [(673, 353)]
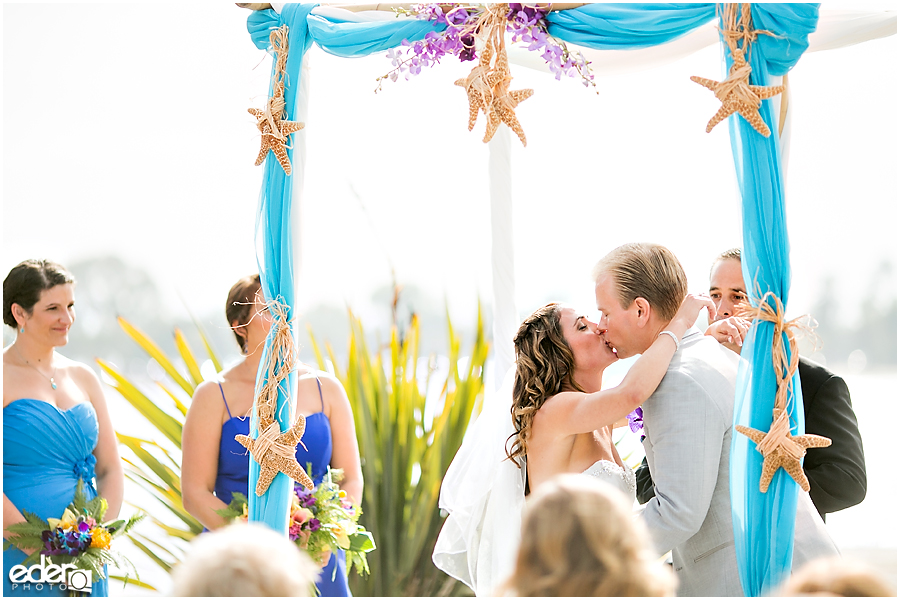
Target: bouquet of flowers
[(80, 538), (321, 521)]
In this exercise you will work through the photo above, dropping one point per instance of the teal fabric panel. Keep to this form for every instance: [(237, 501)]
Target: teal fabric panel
[(274, 243), (361, 39), (627, 26), (764, 523)]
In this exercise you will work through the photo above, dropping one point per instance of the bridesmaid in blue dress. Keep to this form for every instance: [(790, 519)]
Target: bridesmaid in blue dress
[(56, 426), (214, 465)]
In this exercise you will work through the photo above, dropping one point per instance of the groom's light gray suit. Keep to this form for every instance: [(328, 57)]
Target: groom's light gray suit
[(688, 428)]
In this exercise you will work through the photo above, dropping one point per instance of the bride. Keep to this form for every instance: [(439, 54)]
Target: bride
[(561, 423)]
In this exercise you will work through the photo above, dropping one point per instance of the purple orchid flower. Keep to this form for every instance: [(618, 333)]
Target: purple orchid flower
[(636, 419)]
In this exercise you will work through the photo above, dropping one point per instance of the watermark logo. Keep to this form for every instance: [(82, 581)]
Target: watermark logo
[(46, 575)]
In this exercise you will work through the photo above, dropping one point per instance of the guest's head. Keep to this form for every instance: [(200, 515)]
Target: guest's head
[(246, 312), (579, 538), (639, 288), (244, 560), (836, 576), (554, 346), (39, 301), (726, 283)]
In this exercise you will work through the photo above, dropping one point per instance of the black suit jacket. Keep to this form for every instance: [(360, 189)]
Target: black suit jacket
[(837, 474)]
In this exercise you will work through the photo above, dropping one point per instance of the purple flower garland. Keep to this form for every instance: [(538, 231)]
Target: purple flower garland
[(526, 23)]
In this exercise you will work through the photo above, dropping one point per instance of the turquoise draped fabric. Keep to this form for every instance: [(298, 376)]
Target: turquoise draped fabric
[(274, 240), (274, 245), (764, 523), (343, 38), (627, 26)]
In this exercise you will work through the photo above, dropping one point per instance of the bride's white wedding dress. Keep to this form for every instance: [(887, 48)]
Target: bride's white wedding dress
[(611, 473), (483, 494)]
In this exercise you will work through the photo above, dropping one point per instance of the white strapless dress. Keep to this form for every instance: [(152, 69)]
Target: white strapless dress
[(613, 474)]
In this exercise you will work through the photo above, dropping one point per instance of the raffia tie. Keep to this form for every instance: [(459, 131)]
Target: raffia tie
[(273, 449), (280, 356), (267, 442), (784, 368), (738, 30), (779, 448), (275, 106)]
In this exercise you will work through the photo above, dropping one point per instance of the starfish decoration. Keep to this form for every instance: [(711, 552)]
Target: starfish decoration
[(271, 462), (738, 96), (274, 139), (504, 102), (780, 457), (479, 86)]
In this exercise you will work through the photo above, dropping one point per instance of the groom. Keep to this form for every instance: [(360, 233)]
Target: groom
[(687, 420)]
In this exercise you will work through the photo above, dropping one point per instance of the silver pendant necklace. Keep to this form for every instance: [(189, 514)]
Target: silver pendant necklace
[(50, 379)]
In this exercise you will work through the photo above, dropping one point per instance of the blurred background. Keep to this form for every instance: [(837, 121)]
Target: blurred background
[(128, 157)]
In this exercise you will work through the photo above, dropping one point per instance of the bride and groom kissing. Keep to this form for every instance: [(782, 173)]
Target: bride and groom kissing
[(551, 416)]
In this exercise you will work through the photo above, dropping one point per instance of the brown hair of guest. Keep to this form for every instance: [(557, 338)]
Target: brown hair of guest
[(544, 367), (25, 282), (239, 305), (579, 538)]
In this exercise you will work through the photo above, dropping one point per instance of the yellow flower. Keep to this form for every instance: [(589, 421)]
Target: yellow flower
[(342, 494), (342, 531), (100, 538), (66, 522)]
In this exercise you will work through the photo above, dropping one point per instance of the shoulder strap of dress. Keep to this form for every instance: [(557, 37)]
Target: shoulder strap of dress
[(224, 400), (321, 399)]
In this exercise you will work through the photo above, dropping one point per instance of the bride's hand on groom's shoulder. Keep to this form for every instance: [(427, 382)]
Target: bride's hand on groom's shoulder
[(690, 309)]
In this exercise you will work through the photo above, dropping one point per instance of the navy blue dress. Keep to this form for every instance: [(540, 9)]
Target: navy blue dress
[(234, 476)]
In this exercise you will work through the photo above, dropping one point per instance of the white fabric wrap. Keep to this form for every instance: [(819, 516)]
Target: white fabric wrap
[(483, 494)]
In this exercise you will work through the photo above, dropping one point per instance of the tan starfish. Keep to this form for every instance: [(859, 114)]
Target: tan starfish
[(275, 142), (738, 96), (479, 86), (505, 101), (271, 462), (778, 458)]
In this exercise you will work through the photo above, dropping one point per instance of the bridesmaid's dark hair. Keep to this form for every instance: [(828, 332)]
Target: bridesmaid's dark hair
[(25, 282), (238, 305), (544, 367)]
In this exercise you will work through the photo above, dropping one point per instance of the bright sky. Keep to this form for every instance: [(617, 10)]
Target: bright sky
[(126, 132)]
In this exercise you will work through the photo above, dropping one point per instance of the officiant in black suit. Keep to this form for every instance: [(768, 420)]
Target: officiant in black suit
[(837, 474)]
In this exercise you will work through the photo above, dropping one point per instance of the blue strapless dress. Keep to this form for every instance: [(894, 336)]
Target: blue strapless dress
[(45, 451), (234, 476)]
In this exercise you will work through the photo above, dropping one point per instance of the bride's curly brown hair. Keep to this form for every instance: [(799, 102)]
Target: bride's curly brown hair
[(544, 367)]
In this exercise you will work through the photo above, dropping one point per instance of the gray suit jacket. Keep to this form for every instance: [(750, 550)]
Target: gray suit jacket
[(688, 428)]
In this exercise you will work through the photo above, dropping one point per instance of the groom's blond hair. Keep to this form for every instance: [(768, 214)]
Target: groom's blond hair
[(644, 270)]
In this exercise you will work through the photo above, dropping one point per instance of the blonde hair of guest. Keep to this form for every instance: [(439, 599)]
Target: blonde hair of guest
[(244, 559), (579, 538), (837, 576)]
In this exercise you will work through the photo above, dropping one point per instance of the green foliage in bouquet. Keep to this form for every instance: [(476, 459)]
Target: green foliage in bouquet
[(406, 449), (79, 537), (320, 521), (153, 467)]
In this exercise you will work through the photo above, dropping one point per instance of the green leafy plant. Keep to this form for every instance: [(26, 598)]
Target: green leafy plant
[(406, 448), (152, 466)]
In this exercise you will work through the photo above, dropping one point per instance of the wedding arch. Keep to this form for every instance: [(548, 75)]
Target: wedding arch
[(761, 42)]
